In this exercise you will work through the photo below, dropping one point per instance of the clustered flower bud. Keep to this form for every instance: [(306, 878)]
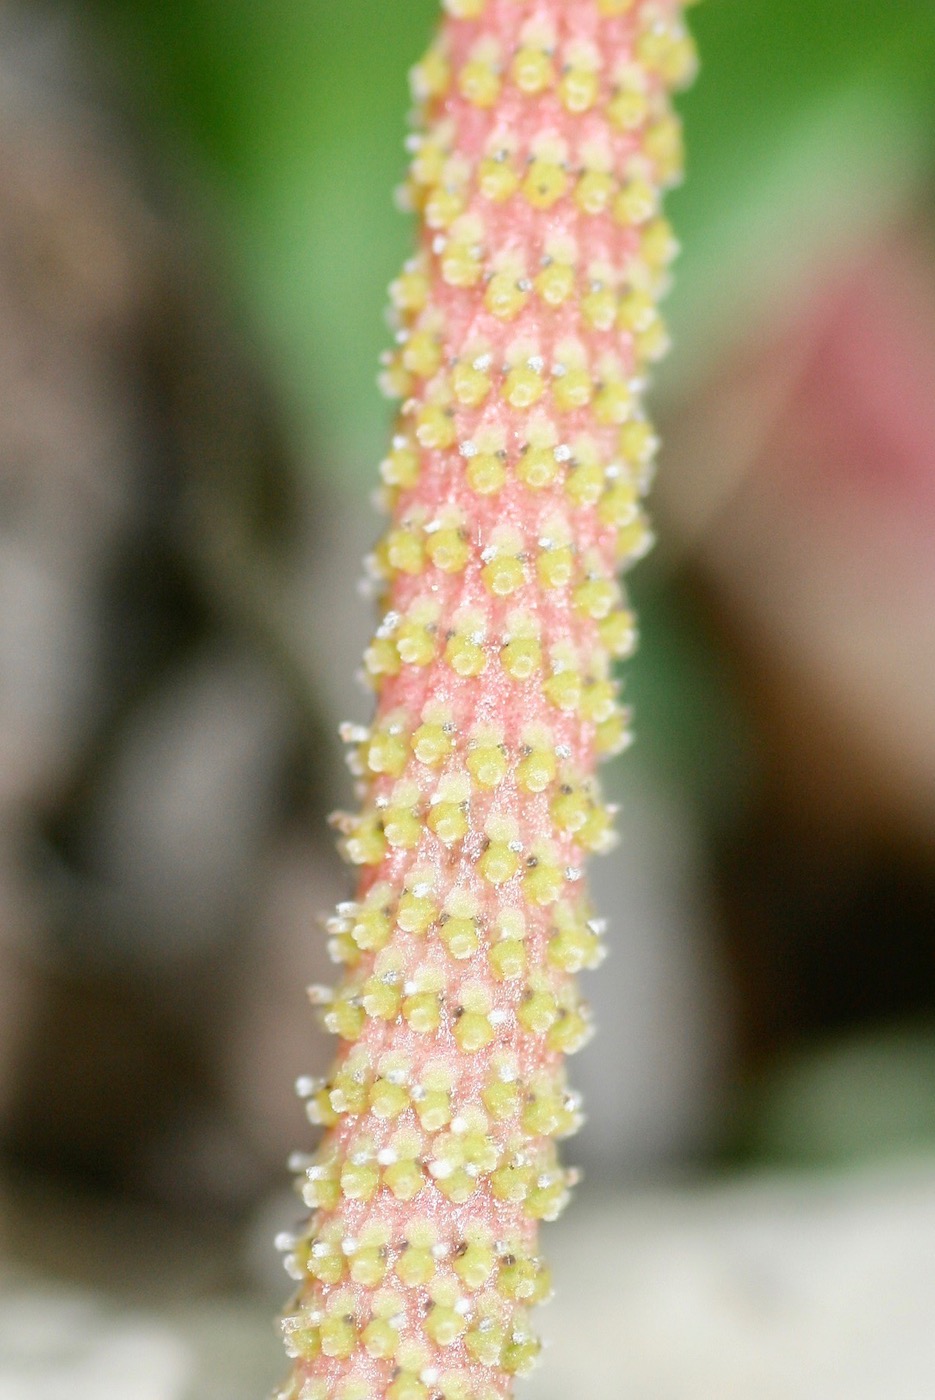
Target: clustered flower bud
[(525, 328)]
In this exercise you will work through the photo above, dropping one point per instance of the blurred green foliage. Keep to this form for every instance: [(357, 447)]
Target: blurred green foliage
[(811, 121), (295, 113), (848, 1101)]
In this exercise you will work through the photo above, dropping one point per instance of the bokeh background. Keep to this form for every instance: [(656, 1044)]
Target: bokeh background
[(196, 233)]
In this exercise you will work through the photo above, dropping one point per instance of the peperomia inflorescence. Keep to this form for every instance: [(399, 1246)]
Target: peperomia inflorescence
[(526, 325)]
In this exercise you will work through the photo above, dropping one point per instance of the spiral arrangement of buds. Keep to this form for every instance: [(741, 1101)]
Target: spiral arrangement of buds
[(526, 325)]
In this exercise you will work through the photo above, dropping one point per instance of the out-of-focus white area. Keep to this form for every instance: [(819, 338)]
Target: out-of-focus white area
[(55, 1344), (757, 1291), (772, 1289)]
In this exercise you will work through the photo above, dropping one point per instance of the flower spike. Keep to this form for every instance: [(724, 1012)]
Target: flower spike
[(526, 325)]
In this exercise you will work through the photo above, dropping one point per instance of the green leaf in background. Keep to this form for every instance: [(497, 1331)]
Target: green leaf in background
[(295, 113), (811, 122), (858, 1099)]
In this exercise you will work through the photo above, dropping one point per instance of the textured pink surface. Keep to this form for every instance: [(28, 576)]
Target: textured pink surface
[(526, 323)]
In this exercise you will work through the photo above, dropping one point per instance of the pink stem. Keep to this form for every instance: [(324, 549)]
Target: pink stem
[(526, 324)]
